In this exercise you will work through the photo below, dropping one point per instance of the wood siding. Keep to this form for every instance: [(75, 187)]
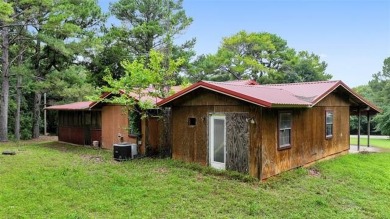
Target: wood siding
[(74, 135), (190, 142), (309, 143), (84, 127), (79, 127), (114, 122), (237, 142), (151, 133)]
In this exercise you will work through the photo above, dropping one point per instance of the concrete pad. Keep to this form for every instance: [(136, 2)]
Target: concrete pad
[(354, 149)]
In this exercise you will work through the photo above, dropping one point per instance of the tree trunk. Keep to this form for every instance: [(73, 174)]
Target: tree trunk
[(38, 94), (166, 133), (37, 114), (5, 86), (18, 100)]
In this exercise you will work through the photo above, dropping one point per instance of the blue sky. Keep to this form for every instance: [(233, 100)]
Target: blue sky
[(353, 37)]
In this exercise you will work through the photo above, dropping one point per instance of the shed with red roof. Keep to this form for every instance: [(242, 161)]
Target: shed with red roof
[(262, 130), (84, 122)]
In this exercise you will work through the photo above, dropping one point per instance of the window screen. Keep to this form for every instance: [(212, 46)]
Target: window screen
[(329, 124), (285, 123)]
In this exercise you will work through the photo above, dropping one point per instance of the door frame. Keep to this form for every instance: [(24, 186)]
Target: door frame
[(214, 164)]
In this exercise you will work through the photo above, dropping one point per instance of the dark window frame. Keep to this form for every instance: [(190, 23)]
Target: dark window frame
[(329, 136), (191, 121), (285, 146)]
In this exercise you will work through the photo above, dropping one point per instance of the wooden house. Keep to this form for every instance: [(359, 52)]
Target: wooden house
[(83, 123), (262, 130)]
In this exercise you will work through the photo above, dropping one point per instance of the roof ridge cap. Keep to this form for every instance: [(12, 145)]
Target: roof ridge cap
[(257, 86), (299, 83), (240, 85)]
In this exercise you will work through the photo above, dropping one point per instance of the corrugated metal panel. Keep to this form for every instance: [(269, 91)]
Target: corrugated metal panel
[(86, 105), (240, 82), (263, 93), (307, 90), (72, 106), (304, 94)]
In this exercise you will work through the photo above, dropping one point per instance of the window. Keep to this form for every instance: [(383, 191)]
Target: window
[(87, 117), (191, 121), (285, 123), (328, 124)]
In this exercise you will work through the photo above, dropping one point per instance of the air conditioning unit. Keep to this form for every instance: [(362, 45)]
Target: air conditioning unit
[(124, 151), (134, 150)]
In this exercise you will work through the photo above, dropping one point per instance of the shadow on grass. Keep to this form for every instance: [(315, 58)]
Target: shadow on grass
[(205, 170), (98, 154), (69, 148)]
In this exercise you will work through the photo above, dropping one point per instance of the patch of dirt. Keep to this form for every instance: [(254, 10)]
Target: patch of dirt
[(162, 170), (63, 149), (199, 177), (96, 159), (44, 138), (314, 172)]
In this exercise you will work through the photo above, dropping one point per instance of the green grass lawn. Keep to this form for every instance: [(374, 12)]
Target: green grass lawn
[(54, 180), (382, 143)]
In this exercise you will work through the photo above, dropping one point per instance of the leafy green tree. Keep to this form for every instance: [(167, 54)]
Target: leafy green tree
[(5, 83), (141, 74), (63, 32), (146, 25), (69, 85), (153, 77), (203, 68), (5, 11), (46, 44), (263, 57), (380, 86), (12, 22), (383, 121), (365, 91), (378, 91), (107, 59), (303, 67)]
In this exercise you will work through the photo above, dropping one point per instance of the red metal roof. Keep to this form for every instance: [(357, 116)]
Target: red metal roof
[(243, 82), (307, 90), (86, 105), (305, 94), (147, 94), (261, 95), (316, 91)]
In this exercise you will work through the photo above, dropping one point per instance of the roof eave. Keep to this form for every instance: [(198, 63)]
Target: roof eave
[(281, 105), (59, 109), (215, 88), (360, 98), (177, 95)]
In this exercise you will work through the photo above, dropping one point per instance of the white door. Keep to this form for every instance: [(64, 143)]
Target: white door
[(217, 141)]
